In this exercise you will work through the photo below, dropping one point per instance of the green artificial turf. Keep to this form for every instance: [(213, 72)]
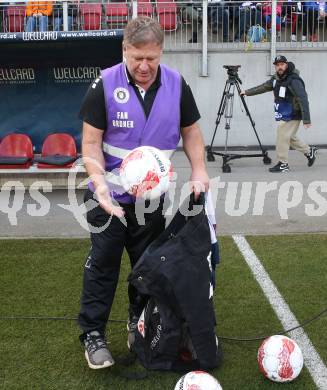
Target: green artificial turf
[(44, 277), (298, 266)]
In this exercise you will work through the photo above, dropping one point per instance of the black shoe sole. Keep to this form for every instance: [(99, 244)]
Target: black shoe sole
[(313, 159), (310, 163), (280, 171)]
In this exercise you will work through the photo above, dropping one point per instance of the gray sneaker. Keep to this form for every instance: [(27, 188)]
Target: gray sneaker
[(96, 351)]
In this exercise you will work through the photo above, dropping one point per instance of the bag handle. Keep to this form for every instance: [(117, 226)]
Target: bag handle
[(199, 202)]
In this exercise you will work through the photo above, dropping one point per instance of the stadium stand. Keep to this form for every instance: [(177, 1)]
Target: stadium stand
[(15, 18), (58, 16), (145, 8), (117, 14), (16, 152), (167, 14), (295, 26), (90, 16), (296, 21)]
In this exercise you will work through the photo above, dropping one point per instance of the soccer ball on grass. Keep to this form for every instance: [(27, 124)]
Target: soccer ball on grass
[(197, 380), (280, 359)]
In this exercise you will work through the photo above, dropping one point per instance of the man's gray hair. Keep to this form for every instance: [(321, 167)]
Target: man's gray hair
[(143, 30)]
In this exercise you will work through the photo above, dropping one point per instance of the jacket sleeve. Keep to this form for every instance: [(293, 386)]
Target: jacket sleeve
[(297, 89), (262, 88)]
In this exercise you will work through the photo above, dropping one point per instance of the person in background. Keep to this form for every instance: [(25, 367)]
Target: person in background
[(37, 13), (193, 12), (59, 17), (295, 12), (322, 9), (247, 14), (291, 107), (267, 12), (218, 14), (315, 10)]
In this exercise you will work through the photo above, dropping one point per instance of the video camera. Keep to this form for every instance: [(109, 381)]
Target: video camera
[(232, 71)]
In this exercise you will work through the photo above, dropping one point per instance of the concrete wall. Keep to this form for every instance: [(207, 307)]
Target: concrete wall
[(255, 65)]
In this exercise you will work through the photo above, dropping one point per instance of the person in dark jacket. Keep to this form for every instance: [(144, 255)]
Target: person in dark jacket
[(291, 106), (217, 14), (247, 14)]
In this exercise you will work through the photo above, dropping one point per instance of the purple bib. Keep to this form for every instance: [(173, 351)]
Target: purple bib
[(127, 125)]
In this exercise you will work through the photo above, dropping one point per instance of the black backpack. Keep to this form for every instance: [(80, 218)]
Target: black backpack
[(176, 330)]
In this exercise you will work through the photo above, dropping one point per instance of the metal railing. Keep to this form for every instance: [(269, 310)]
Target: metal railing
[(249, 25), (188, 25)]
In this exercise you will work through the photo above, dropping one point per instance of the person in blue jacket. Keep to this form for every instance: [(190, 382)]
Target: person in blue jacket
[(291, 107)]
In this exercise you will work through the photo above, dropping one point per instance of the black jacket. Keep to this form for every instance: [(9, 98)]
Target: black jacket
[(175, 271), (295, 92)]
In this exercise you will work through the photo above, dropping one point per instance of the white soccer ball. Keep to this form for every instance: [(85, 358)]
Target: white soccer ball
[(280, 359), (145, 172), (197, 380)]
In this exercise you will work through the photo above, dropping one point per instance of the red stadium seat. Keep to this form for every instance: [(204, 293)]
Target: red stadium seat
[(117, 15), (167, 14), (58, 151), (16, 152), (15, 18), (144, 8), (91, 16)]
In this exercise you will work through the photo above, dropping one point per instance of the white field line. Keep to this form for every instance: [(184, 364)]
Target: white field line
[(312, 360)]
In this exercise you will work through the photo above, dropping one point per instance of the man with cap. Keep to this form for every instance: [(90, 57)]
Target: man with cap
[(291, 106)]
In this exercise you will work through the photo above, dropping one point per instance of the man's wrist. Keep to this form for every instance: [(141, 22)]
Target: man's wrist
[(99, 181), (201, 166)]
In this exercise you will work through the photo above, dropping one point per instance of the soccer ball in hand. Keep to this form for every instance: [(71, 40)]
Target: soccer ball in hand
[(145, 172), (280, 359), (197, 380)]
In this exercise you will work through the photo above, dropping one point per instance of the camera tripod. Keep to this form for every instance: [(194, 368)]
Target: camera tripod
[(226, 108)]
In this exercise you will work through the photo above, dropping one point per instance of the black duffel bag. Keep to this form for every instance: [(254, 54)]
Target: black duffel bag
[(176, 330)]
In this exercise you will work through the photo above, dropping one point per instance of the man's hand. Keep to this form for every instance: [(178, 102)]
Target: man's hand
[(194, 149), (307, 125), (95, 167), (199, 182), (105, 202), (243, 93)]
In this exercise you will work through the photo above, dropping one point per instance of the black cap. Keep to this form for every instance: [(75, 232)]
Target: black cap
[(280, 59)]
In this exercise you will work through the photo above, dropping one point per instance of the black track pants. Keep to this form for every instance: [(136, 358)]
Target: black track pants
[(101, 270)]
